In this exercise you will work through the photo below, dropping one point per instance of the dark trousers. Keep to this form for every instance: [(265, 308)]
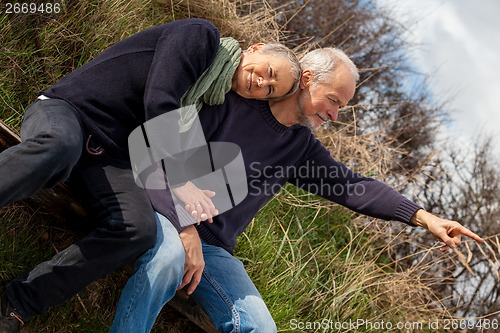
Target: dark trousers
[(51, 151)]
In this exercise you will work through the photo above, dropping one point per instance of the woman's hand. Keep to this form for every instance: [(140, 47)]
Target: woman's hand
[(196, 201)]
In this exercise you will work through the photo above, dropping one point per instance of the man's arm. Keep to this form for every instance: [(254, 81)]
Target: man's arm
[(322, 175), (336, 182), (194, 264), (448, 232)]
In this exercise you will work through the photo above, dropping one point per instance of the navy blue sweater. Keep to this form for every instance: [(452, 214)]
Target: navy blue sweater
[(137, 79), (273, 155)]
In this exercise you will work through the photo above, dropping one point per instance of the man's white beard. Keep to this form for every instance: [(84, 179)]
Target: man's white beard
[(303, 119), (306, 121)]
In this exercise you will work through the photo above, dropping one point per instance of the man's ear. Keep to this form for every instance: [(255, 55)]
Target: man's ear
[(255, 47), (306, 79)]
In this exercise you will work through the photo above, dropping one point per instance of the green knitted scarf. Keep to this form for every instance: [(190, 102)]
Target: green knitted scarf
[(213, 84)]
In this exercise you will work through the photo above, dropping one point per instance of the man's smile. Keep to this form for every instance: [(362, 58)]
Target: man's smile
[(324, 119)]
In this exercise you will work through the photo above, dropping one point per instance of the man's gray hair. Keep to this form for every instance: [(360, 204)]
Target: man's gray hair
[(322, 62), (280, 50)]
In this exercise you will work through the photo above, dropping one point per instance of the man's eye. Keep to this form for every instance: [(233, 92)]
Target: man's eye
[(270, 72), (270, 90)]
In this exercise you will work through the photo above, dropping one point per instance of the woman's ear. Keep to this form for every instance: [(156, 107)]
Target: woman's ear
[(305, 79), (255, 47)]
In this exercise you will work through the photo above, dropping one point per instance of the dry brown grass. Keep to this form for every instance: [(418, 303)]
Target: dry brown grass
[(257, 25)]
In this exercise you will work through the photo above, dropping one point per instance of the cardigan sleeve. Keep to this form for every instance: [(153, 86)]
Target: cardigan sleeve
[(332, 180), (183, 52)]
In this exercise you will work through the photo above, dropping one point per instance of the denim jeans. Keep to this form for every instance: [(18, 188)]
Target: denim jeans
[(225, 292), (52, 150)]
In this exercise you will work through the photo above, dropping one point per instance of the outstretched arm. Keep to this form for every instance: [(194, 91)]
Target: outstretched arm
[(448, 232)]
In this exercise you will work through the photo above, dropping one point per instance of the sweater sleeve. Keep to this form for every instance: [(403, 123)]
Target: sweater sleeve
[(162, 198), (182, 54), (332, 180)]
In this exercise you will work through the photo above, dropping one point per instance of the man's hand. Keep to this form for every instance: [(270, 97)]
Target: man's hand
[(194, 264), (197, 202), (448, 232)]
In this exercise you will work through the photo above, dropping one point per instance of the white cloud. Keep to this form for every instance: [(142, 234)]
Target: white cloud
[(458, 48)]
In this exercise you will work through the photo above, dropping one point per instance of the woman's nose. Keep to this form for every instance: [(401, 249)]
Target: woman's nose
[(261, 82)]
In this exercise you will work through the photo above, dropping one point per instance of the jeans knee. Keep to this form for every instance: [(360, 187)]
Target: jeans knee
[(166, 269), (259, 324), (66, 144), (165, 264), (56, 153), (177, 258), (254, 317)]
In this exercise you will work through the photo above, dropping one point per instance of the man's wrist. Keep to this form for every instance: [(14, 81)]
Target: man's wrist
[(189, 231), (418, 218)]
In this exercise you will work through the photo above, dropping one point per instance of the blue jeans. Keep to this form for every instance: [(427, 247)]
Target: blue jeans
[(225, 292)]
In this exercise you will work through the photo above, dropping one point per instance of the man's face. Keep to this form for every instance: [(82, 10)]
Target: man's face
[(261, 75), (321, 103)]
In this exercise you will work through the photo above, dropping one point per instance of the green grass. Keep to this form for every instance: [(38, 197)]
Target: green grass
[(313, 263), (20, 243)]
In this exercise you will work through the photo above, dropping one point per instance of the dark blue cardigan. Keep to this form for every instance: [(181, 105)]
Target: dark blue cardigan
[(273, 155), (137, 79)]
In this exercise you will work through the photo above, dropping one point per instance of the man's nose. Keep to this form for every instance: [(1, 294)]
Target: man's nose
[(333, 114)]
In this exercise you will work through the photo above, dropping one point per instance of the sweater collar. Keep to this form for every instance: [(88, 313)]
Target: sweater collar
[(268, 116)]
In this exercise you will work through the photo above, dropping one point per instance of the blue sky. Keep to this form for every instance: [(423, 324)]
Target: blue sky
[(457, 44)]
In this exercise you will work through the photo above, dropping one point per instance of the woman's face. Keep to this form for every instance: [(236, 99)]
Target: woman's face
[(262, 76)]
